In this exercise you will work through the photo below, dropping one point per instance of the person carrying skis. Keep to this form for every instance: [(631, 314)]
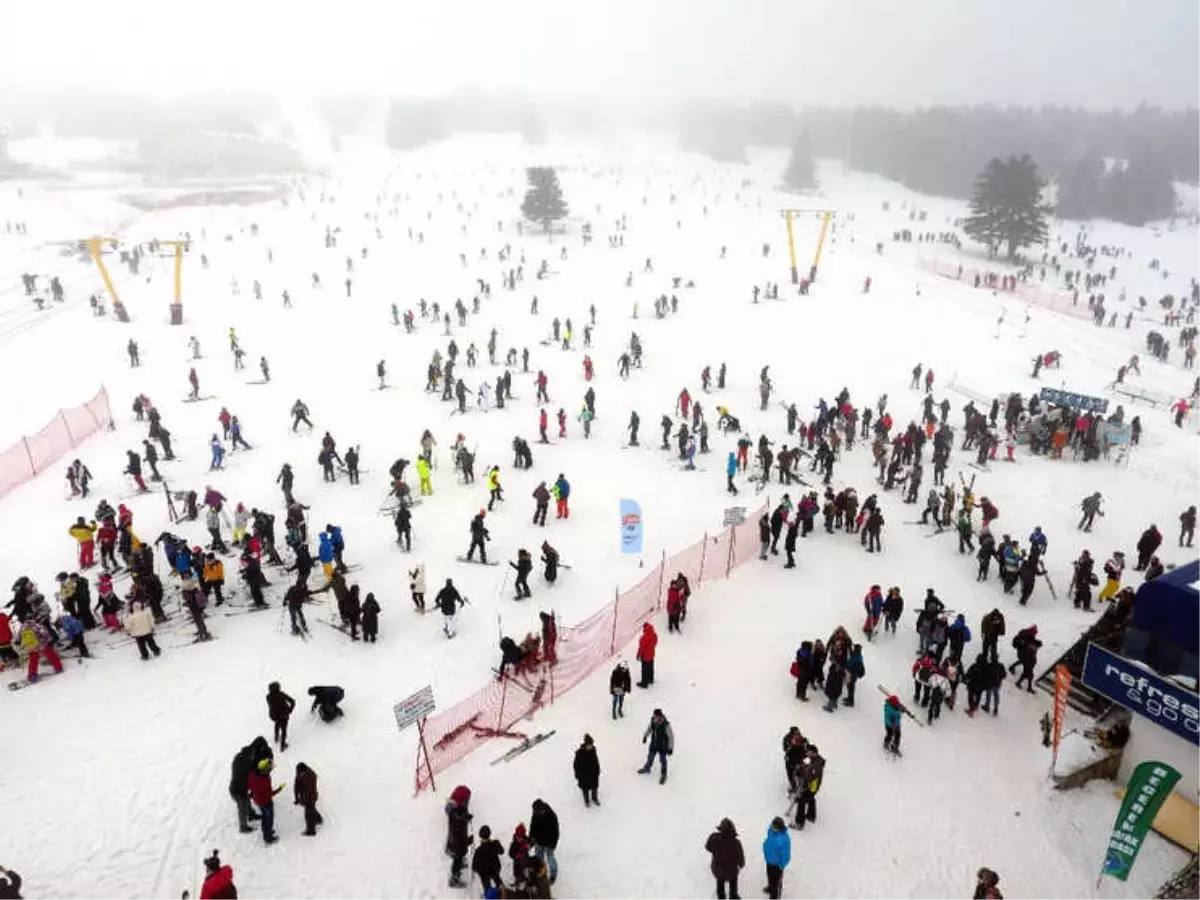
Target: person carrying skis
[(893, 711)]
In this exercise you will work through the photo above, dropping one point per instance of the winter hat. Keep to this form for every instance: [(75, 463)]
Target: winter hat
[(657, 712), (213, 863), (485, 833), (264, 765), (587, 740), (893, 700), (777, 824)]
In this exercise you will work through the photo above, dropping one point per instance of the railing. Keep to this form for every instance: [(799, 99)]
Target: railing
[(69, 428), (581, 649)]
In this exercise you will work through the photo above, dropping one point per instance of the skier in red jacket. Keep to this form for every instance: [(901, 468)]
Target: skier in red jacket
[(218, 880), (645, 654)]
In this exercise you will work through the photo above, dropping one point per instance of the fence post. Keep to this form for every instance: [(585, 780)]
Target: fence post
[(612, 641), (503, 697), (29, 455), (70, 437), (662, 571), (729, 558), (703, 555)]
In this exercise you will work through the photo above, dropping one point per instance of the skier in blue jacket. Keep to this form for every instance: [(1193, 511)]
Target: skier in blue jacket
[(218, 453), (1037, 541), (731, 470), (777, 853), (892, 713), (325, 552)]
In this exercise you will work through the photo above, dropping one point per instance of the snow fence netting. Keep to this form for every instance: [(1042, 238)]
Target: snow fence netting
[(69, 428), (581, 649), (1057, 301)]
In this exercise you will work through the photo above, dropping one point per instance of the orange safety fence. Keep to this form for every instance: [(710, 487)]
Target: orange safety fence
[(69, 428), (1063, 302), (581, 649)]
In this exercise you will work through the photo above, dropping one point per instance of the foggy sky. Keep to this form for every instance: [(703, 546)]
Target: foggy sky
[(1096, 53)]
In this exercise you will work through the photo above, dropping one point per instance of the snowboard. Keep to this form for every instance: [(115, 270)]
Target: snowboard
[(199, 399), (490, 562), (21, 685), (241, 611)]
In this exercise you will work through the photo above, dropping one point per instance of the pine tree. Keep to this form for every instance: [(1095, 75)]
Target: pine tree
[(801, 173), (543, 201), (1006, 206)]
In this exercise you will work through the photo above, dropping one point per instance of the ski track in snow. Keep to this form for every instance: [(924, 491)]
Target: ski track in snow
[(117, 772)]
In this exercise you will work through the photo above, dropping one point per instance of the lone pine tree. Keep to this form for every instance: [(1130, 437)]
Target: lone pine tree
[(1006, 206), (800, 174), (543, 201)]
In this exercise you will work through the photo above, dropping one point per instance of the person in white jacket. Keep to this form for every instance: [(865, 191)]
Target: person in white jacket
[(140, 624), (939, 689), (416, 583)]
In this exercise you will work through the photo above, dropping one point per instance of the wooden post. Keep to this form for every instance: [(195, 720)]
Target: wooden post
[(503, 697), (729, 558), (423, 750), (612, 641), (662, 572), (703, 556), (62, 415)]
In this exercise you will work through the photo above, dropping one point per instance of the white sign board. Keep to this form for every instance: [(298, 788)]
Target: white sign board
[(735, 515), (415, 707)]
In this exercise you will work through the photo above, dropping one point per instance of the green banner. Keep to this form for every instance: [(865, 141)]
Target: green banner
[(1149, 787)]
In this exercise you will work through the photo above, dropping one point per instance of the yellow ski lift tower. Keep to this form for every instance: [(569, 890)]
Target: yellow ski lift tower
[(177, 304), (95, 247), (788, 215)]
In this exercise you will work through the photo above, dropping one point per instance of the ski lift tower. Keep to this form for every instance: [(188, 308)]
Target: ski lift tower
[(95, 246), (788, 215), (177, 303)]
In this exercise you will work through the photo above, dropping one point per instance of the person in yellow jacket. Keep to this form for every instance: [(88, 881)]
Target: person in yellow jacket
[(493, 484), (214, 577), (1113, 570), (423, 474), (85, 533)]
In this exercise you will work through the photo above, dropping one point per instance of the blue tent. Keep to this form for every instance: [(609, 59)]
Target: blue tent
[(1169, 607)]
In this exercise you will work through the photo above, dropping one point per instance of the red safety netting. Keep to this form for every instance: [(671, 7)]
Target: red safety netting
[(1058, 301), (31, 455), (582, 648)]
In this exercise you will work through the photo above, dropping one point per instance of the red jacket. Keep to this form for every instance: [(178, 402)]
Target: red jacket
[(542, 420), (107, 535), (219, 885), (258, 785), (674, 608), (5, 630), (647, 642)]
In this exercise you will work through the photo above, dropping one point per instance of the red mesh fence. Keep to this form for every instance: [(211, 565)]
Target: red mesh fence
[(452, 734), (1058, 301), (69, 428)]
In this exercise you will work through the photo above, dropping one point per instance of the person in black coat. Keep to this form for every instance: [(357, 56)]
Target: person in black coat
[(326, 699), (10, 884), (543, 834), (523, 566), (243, 764), (620, 683), (486, 863), (370, 619), (279, 709), (587, 771), (458, 841), (550, 559), (789, 542)]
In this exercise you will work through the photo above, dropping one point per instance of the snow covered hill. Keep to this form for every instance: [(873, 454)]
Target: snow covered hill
[(116, 774)]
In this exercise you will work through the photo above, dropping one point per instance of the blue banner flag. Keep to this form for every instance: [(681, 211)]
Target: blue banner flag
[(631, 526)]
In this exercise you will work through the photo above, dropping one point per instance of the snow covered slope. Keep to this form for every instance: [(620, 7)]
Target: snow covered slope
[(115, 776)]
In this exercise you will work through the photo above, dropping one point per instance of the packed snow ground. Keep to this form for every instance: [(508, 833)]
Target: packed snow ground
[(116, 774)]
